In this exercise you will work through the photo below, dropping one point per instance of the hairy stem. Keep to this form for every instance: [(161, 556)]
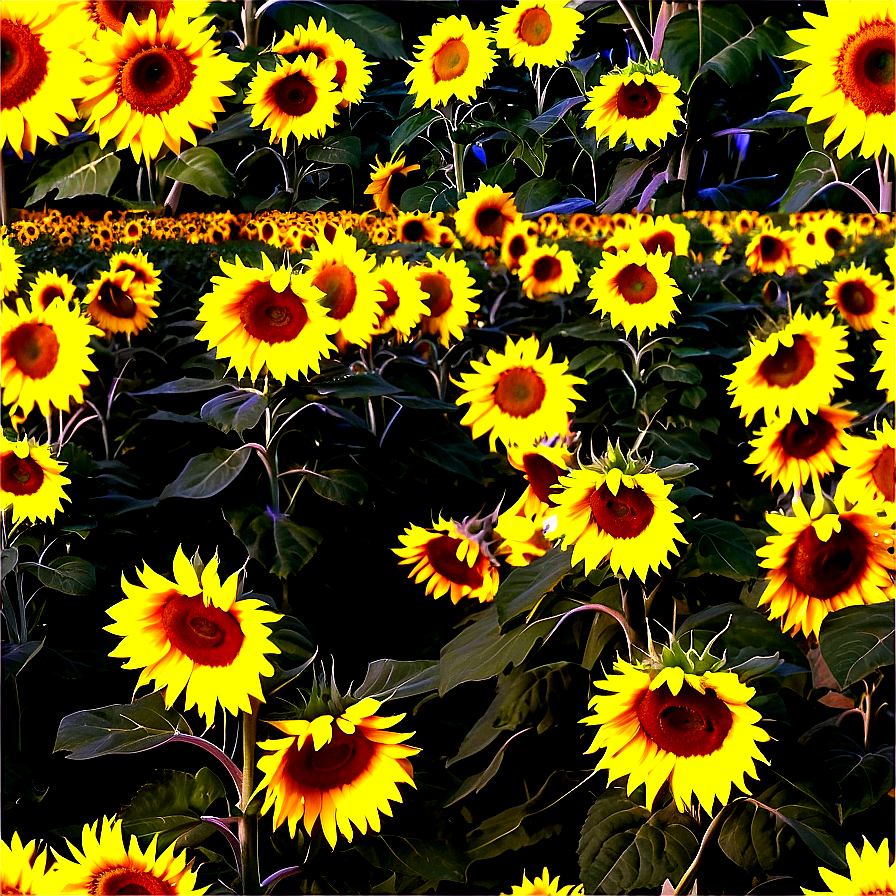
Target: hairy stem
[(458, 154), (688, 876), (248, 824)]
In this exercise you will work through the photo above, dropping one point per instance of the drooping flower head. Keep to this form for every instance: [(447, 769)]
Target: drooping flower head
[(482, 216), (547, 270), (450, 291), (387, 182), (119, 303), (45, 358), (23, 869), (870, 872), (155, 83), (339, 764), (544, 885), (453, 61), (104, 864), (194, 635), (850, 75), (48, 286), (679, 718), (824, 559), (869, 467), (518, 396), (538, 32), (637, 103), (43, 71), (31, 480), (864, 299), (266, 316), (794, 370)]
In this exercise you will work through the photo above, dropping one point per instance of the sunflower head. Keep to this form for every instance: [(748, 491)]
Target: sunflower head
[(120, 303), (31, 480), (387, 181), (483, 215), (545, 886), (538, 32), (870, 872), (864, 299), (23, 869)]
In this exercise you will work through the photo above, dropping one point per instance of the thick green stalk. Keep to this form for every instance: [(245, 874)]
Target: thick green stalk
[(458, 152), (248, 824)]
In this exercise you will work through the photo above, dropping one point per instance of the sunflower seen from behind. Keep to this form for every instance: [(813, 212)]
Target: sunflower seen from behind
[(870, 873), (864, 299), (195, 636), (31, 480), (450, 291), (869, 462), (387, 181), (538, 32)]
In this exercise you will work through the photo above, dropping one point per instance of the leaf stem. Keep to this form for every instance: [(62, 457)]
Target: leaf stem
[(248, 824), (235, 773)]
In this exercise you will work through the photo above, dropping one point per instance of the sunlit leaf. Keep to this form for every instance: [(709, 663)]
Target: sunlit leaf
[(87, 170), (855, 641)]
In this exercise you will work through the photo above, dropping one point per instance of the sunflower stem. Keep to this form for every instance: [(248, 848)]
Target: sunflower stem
[(248, 824), (885, 203), (458, 154), (685, 881), (635, 28), (250, 23)]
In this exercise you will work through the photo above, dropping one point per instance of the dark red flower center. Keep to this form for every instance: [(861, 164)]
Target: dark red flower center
[(623, 515), (442, 555), (207, 635), (882, 473), (535, 26), (788, 365), (823, 569), (520, 391), (35, 349), (438, 287), (688, 723), (122, 880), (272, 316), (517, 246), (547, 268), (334, 765), (49, 294), (295, 95), (390, 306), (412, 231), (23, 63), (114, 13), (855, 297), (490, 222), (662, 240), (637, 100), (20, 475), (803, 440), (771, 249), (865, 68), (115, 301), (636, 284), (833, 237), (140, 274), (338, 283), (156, 79), (450, 60), (542, 476)]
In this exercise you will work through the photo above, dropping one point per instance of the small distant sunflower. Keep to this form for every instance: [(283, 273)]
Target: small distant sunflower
[(818, 241), (518, 396), (794, 370), (543, 463), (863, 299), (791, 452), (454, 60), (452, 559), (10, 268), (45, 357), (22, 868), (635, 289), (483, 215), (119, 303), (105, 865), (194, 636), (31, 480), (450, 292), (387, 182), (886, 361), (144, 271), (518, 238), (637, 103), (544, 886), (155, 83), (48, 286), (43, 71), (352, 293), (405, 301), (417, 227), (298, 98), (343, 770), (548, 270), (869, 467), (822, 560), (849, 76), (626, 519), (266, 316), (538, 32), (869, 873), (771, 251), (670, 237), (695, 731)]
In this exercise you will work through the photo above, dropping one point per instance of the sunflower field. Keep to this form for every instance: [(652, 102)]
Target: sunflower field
[(447, 447)]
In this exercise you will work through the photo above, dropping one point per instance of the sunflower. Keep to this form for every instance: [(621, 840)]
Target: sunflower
[(694, 730), (450, 291), (544, 886), (118, 303), (155, 83), (453, 558), (418, 227), (771, 251), (10, 268), (43, 71), (635, 289), (48, 286), (405, 301), (45, 358), (624, 518), (547, 270), (862, 298), (387, 182), (869, 873), (822, 560), (31, 481), (144, 272), (22, 868), (791, 452), (670, 237), (818, 241), (454, 60), (112, 14), (517, 396), (518, 239), (482, 216), (105, 865), (352, 293), (298, 98), (194, 635), (521, 533), (794, 370), (343, 770), (849, 76), (886, 362), (538, 32), (637, 102), (542, 463), (869, 467)]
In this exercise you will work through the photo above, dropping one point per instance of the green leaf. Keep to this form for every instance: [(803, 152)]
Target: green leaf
[(353, 385), (207, 474), (120, 728), (237, 411), (17, 656), (336, 151), (536, 193), (530, 694), (527, 585), (411, 127), (452, 451), (294, 640), (544, 122), (814, 172), (235, 127), (775, 119), (722, 548), (88, 170), (342, 486), (432, 859), (201, 167), (173, 806), (855, 641), (70, 575), (680, 373), (750, 837), (281, 546), (9, 558), (748, 192), (624, 848), (625, 181), (184, 385), (737, 62), (392, 679), (422, 197)]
